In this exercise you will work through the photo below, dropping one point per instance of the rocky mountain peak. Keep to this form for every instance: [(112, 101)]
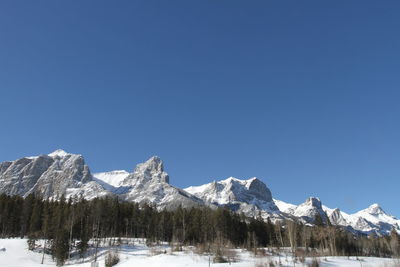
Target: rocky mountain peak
[(247, 196), (310, 209), (153, 164), (259, 190), (314, 202), (151, 170), (252, 188)]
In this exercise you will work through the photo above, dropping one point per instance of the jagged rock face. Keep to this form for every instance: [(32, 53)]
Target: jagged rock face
[(150, 171), (231, 190), (66, 171), (336, 218), (248, 196), (20, 176), (48, 175), (314, 202), (253, 191), (258, 190), (150, 183), (309, 210)]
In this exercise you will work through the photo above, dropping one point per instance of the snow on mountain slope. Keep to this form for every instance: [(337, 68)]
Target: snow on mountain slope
[(376, 214), (113, 178), (374, 219), (285, 207), (59, 153)]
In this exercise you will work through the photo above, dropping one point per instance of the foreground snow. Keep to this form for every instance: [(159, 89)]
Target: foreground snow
[(17, 254)]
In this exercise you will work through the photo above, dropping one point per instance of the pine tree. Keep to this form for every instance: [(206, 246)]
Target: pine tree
[(395, 242), (61, 246), (26, 214), (35, 223), (318, 221)]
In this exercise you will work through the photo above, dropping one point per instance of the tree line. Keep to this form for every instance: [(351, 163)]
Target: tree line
[(67, 226)]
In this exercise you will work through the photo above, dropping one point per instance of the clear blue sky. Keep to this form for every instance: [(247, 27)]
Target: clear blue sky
[(302, 94)]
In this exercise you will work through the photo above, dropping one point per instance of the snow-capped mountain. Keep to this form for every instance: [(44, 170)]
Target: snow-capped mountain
[(61, 173), (309, 210), (150, 183), (247, 196), (370, 220), (49, 175)]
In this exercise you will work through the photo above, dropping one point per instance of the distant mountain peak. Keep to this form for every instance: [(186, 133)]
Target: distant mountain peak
[(314, 201), (310, 209), (152, 170), (244, 182), (242, 195), (59, 153), (375, 209), (155, 159), (230, 180), (153, 163)]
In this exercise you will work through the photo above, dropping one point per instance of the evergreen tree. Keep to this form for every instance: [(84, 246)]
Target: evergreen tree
[(61, 247)]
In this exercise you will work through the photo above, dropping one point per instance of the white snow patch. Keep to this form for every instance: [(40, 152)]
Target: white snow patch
[(284, 206), (113, 178), (16, 253), (58, 153)]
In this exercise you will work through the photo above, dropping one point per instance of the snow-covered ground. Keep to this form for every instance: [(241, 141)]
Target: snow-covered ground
[(17, 254)]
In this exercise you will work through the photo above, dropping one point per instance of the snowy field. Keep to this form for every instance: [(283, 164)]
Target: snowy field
[(16, 253)]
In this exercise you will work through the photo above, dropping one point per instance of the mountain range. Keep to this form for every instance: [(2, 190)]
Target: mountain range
[(64, 174)]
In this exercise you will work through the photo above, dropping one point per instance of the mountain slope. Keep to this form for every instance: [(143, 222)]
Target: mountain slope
[(113, 178)]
